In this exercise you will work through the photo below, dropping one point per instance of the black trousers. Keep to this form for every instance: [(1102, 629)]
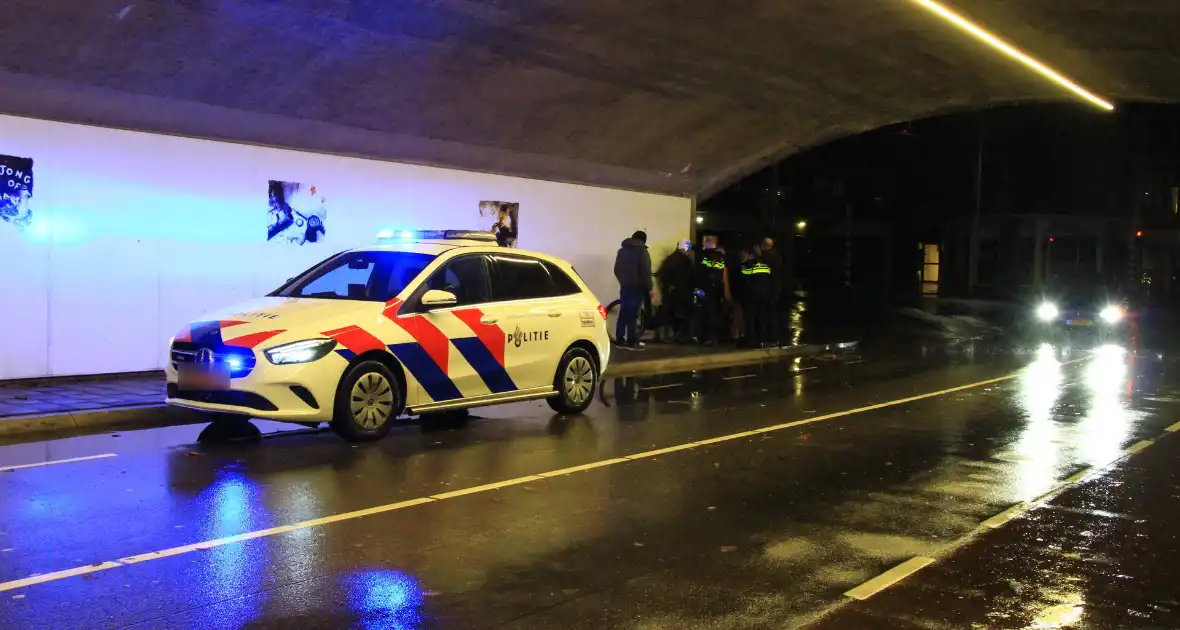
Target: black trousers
[(710, 316), (759, 310)]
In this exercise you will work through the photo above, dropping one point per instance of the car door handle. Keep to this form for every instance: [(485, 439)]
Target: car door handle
[(554, 314), (488, 321)]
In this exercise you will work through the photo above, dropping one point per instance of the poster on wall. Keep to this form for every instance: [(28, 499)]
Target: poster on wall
[(500, 218), (16, 190), (298, 214)]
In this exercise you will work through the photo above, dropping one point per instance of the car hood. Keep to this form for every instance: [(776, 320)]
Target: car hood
[(251, 323)]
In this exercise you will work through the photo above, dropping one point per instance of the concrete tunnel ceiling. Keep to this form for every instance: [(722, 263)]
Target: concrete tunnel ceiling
[(672, 96)]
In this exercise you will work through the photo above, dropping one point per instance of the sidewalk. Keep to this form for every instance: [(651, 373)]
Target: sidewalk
[(136, 400)]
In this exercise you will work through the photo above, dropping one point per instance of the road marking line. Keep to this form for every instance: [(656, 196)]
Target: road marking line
[(725, 438), (661, 451), (734, 378), (655, 387), (316, 522), (58, 461), (1080, 475), (574, 469), (1174, 428), (487, 486), (888, 578), (59, 575), (1006, 515), (854, 362), (1138, 446)]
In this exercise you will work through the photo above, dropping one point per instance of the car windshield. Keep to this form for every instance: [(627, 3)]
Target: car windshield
[(373, 276)]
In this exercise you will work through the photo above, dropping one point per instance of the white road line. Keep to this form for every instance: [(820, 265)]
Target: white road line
[(888, 578), (164, 553), (484, 488), (661, 451), (1174, 428), (1005, 516), (1080, 475), (655, 387), (725, 438), (734, 378), (1138, 446), (57, 575), (58, 461), (574, 469)]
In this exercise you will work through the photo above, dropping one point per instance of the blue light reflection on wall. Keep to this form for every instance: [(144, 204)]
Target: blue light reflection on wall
[(383, 598)]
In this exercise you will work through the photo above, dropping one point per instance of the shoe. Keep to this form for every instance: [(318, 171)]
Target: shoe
[(639, 345)]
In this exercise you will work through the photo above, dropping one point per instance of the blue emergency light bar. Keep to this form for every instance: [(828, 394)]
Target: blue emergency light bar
[(410, 236)]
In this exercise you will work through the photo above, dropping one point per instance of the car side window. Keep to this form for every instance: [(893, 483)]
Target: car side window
[(466, 277), (562, 282), (519, 278)]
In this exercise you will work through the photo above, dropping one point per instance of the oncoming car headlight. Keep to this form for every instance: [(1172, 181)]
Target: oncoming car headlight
[(1111, 314), (300, 351), (1047, 311)]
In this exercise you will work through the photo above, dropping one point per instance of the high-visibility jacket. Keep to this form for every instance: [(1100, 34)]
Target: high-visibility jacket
[(758, 277), (711, 274)]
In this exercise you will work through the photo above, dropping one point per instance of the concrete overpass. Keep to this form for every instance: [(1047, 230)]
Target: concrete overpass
[(653, 95)]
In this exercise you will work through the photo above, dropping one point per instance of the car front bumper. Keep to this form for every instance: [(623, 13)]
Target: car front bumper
[(303, 392)]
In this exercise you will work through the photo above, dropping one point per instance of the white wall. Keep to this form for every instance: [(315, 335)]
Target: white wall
[(136, 234)]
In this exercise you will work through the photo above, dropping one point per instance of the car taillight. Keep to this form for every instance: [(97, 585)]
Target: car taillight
[(602, 311)]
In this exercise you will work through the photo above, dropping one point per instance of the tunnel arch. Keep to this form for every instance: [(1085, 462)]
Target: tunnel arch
[(653, 95)]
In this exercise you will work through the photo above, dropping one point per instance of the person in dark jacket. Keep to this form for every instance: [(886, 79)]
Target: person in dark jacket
[(676, 287), (759, 309), (713, 284), (633, 271), (774, 260)]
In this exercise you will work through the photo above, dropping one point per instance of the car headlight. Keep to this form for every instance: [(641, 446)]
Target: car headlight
[(1047, 311), (300, 351), (1111, 314)]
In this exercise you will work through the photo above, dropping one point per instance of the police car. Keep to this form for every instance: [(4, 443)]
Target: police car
[(422, 322)]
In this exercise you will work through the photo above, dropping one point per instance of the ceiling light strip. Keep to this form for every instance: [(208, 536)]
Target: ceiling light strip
[(1012, 51)]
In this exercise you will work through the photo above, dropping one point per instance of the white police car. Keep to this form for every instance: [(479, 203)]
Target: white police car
[(422, 322)]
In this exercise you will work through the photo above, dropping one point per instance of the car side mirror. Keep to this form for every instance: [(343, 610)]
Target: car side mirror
[(438, 299)]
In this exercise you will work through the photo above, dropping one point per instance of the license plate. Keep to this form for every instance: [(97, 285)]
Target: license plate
[(1078, 322), (202, 376)]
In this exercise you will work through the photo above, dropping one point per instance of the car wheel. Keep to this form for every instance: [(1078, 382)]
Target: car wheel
[(575, 382), (368, 400)]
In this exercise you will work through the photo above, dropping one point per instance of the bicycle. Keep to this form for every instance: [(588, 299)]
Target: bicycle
[(649, 326)]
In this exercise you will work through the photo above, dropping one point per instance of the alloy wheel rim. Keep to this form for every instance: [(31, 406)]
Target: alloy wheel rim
[(579, 380), (371, 401)]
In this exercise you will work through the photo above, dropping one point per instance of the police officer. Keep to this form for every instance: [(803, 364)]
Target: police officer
[(759, 293), (713, 284)]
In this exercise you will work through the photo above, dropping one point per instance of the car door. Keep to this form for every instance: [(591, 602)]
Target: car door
[(455, 360), (524, 307)]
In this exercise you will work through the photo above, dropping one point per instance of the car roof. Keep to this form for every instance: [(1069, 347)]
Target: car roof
[(439, 247)]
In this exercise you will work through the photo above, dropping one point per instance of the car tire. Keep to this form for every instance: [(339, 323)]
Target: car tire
[(576, 381), (368, 401)]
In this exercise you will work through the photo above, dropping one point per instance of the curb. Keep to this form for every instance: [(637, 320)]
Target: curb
[(717, 360), (161, 415)]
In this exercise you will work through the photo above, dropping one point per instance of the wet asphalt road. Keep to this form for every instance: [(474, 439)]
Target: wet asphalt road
[(763, 530)]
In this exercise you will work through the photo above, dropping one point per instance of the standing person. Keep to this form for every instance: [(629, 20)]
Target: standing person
[(759, 309), (676, 286), (633, 271), (774, 261), (713, 283)]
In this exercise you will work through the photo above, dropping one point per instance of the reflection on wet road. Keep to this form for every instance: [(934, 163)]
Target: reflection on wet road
[(742, 498)]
